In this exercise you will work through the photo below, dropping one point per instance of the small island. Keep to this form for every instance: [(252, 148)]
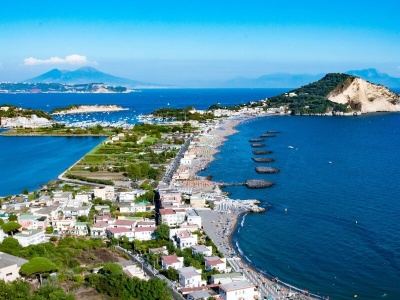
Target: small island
[(83, 109)]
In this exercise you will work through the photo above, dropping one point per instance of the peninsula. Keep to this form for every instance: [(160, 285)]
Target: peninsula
[(83, 109)]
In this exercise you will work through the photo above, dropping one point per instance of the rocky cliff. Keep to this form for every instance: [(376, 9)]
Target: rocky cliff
[(365, 97)]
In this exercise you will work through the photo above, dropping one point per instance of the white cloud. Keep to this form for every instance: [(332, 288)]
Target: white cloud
[(73, 59)]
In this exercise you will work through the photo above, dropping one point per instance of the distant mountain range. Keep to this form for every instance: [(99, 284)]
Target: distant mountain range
[(286, 80), (86, 75)]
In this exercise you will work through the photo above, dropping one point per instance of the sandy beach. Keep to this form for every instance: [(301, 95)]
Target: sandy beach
[(83, 109)]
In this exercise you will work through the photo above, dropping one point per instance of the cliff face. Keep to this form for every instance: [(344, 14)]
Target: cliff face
[(365, 97)]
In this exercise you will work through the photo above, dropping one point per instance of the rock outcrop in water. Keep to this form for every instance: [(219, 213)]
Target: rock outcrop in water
[(258, 184), (266, 170), (263, 159), (257, 145), (255, 140)]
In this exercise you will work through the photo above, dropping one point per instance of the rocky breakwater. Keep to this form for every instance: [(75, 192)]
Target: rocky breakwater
[(258, 184), (257, 145), (261, 152), (267, 135), (267, 170), (255, 140), (263, 159)]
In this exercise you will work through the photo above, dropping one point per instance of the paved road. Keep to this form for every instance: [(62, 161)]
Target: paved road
[(151, 272)]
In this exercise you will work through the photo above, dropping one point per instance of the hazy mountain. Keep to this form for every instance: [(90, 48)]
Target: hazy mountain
[(86, 75), (277, 80), (374, 76)]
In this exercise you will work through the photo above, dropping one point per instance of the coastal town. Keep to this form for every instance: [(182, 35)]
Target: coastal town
[(178, 232)]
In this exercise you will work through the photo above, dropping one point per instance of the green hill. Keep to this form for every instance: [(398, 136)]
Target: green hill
[(312, 98)]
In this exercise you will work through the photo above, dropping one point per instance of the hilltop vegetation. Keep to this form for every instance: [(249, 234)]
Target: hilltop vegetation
[(12, 111), (312, 98), (182, 114)]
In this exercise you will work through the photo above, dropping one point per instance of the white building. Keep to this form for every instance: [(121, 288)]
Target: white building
[(144, 233), (183, 238), (9, 266), (105, 193), (238, 290), (226, 278), (171, 261), (120, 232), (215, 262), (172, 217), (30, 237), (193, 218), (190, 277), (202, 250)]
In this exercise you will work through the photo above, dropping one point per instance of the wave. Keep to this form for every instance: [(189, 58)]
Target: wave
[(242, 222)]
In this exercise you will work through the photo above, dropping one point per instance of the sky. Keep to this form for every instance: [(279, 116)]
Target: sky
[(178, 42)]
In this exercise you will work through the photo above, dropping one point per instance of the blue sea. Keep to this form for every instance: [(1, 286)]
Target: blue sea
[(332, 220)]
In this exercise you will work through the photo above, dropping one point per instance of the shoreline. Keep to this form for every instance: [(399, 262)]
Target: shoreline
[(267, 284)]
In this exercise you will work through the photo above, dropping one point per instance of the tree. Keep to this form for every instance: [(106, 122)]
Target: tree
[(25, 192), (37, 266), (12, 217), (112, 268), (162, 232), (10, 227), (50, 292)]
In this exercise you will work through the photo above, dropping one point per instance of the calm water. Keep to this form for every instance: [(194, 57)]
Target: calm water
[(27, 162), (317, 244)]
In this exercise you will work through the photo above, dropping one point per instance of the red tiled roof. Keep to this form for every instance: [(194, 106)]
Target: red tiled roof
[(144, 229), (170, 259), (164, 211), (119, 230), (124, 222)]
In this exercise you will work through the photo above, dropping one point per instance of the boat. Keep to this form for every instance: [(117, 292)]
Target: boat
[(329, 162), (290, 147)]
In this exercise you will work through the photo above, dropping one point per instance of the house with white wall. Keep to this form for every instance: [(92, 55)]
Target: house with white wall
[(215, 262), (190, 277), (9, 266), (171, 261), (238, 290), (30, 237), (201, 250)]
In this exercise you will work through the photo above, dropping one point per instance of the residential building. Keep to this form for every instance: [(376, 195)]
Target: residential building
[(192, 217), (238, 290), (120, 232), (126, 208), (162, 250), (30, 237), (83, 197), (81, 228), (171, 261), (215, 262), (190, 277), (226, 278), (144, 233), (75, 211), (183, 238), (105, 193), (99, 229), (202, 250), (9, 266)]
